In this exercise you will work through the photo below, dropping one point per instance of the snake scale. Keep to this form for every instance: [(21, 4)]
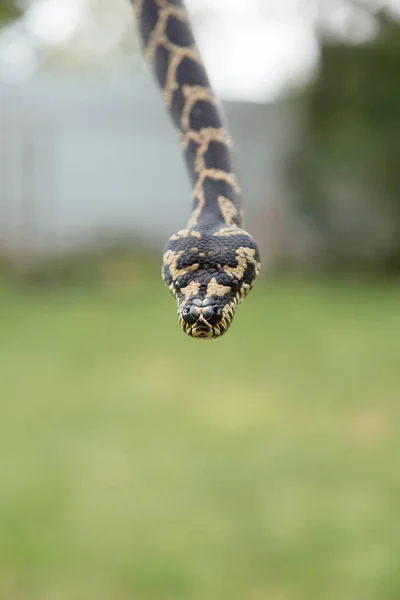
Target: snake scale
[(211, 265)]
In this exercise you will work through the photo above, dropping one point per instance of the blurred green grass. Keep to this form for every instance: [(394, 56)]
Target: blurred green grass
[(139, 464)]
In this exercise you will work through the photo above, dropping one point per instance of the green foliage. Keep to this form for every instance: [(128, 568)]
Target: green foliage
[(349, 171), (138, 463), (9, 10)]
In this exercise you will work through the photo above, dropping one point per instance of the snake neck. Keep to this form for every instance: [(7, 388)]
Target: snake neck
[(171, 51)]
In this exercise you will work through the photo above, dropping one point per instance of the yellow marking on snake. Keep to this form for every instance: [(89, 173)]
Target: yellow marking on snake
[(171, 260), (178, 54), (204, 140), (228, 231), (227, 310), (218, 175), (243, 256), (210, 134), (158, 35), (182, 233), (228, 210), (159, 38), (214, 288), (191, 290)]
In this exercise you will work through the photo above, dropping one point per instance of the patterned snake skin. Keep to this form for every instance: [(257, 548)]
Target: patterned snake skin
[(212, 264)]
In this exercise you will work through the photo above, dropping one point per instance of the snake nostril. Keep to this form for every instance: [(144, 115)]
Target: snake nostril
[(214, 315), (190, 314)]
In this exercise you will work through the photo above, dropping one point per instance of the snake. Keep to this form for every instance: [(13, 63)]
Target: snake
[(212, 263)]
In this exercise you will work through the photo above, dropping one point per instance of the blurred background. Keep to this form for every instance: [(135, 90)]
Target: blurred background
[(136, 462)]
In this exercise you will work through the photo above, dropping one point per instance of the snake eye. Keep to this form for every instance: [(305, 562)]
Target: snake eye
[(177, 285), (234, 285)]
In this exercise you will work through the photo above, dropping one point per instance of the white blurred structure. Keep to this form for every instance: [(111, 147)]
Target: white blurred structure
[(86, 158)]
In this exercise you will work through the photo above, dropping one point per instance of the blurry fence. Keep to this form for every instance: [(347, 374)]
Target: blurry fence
[(88, 158)]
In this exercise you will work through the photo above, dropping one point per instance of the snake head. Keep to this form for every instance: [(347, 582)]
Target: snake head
[(209, 272)]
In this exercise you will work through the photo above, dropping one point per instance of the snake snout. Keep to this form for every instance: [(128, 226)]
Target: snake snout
[(205, 312)]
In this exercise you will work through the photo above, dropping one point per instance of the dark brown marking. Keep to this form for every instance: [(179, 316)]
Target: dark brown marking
[(178, 35), (218, 156), (204, 114), (162, 64)]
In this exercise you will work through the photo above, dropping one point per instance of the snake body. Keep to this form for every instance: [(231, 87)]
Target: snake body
[(211, 264)]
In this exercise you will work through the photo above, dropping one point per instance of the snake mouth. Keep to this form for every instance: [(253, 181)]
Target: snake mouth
[(204, 330)]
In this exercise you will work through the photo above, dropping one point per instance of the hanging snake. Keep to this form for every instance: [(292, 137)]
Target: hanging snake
[(211, 265)]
